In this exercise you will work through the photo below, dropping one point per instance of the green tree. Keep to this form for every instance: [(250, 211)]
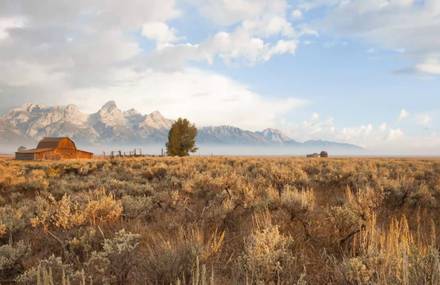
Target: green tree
[(182, 138)]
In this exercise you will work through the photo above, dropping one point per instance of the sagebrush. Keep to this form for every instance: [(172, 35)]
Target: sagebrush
[(220, 220)]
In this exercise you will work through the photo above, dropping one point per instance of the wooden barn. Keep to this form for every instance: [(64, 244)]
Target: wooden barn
[(53, 149)]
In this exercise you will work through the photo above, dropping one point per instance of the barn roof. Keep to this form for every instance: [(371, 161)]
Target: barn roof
[(34, 150), (51, 142), (84, 151)]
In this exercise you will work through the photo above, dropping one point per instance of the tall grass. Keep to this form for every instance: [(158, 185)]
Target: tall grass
[(214, 220)]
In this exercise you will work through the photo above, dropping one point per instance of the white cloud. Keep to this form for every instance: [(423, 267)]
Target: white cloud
[(88, 52), (397, 25), (378, 139), (421, 119), (85, 42), (260, 29), (239, 45), (81, 44), (159, 32), (206, 98), (283, 47), (9, 23), (367, 135), (230, 12), (430, 66), (21, 73), (315, 128), (297, 14), (395, 134), (424, 120), (269, 26), (230, 46), (403, 115)]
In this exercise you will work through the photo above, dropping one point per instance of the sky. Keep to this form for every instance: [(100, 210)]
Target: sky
[(360, 71)]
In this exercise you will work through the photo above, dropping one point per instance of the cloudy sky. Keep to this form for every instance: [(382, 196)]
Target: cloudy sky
[(359, 71)]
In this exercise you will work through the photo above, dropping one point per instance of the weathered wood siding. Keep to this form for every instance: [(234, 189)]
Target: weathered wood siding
[(83, 154), (24, 156), (47, 155)]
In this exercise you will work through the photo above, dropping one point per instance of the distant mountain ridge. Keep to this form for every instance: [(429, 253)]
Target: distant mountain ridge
[(110, 125)]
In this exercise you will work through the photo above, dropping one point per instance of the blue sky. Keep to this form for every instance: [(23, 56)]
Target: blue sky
[(359, 71)]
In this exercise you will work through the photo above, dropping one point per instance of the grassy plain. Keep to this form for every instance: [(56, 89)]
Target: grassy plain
[(215, 220)]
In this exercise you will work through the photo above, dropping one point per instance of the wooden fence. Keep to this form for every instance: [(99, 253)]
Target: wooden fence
[(132, 153)]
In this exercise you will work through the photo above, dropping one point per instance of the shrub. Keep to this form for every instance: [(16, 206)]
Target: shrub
[(63, 214), (12, 219), (167, 259), (102, 208), (52, 270), (12, 257), (117, 258), (136, 207), (66, 213), (267, 255)]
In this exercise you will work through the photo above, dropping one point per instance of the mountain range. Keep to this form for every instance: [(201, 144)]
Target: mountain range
[(112, 126)]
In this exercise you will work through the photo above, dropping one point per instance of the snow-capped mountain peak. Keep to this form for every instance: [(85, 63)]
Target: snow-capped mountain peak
[(109, 115), (275, 135), (132, 112), (29, 107), (109, 106), (155, 120), (73, 115)]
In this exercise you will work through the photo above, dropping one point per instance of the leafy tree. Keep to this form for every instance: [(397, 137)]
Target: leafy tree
[(182, 138)]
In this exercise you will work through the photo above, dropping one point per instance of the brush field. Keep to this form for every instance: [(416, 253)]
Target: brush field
[(215, 220)]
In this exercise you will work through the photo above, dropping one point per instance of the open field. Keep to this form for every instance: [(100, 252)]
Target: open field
[(214, 220), (6, 156)]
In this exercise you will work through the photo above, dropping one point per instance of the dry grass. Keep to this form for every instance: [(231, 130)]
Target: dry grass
[(214, 220)]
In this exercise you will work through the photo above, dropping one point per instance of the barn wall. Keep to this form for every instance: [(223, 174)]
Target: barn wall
[(24, 156), (84, 155), (65, 153), (47, 155)]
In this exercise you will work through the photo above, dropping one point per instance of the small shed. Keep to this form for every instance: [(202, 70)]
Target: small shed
[(313, 155), (323, 154), (53, 149)]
